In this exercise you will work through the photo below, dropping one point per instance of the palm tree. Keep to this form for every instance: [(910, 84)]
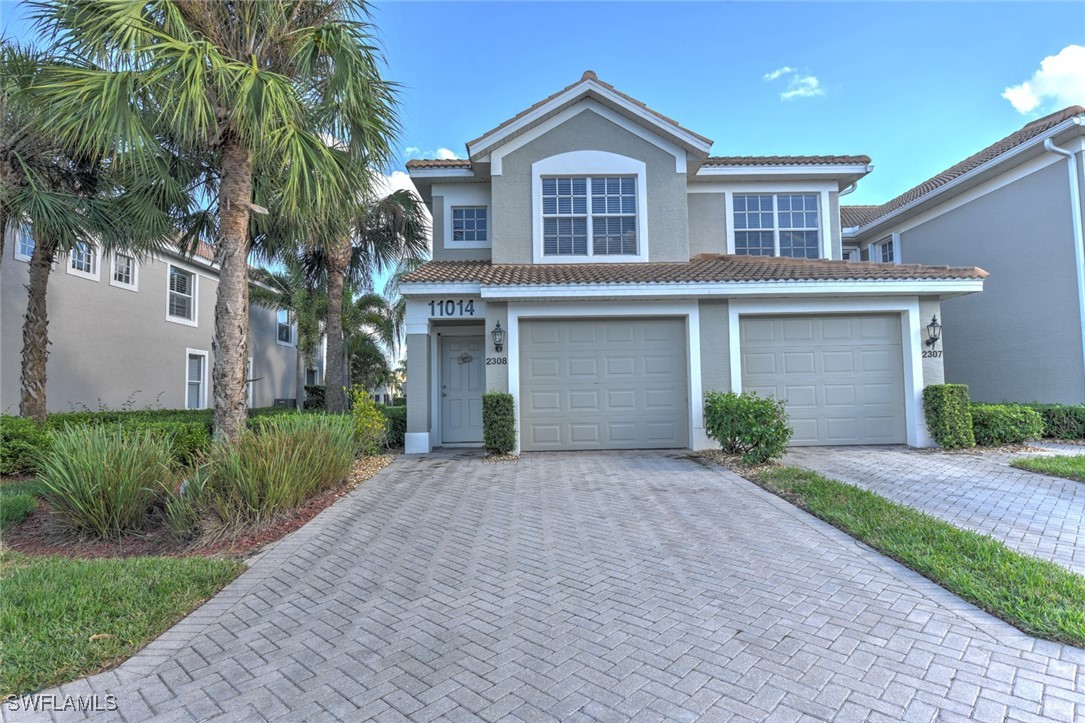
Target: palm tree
[(382, 233), (291, 289), (65, 202), (244, 91)]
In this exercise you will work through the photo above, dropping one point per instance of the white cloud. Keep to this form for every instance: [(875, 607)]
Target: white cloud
[(778, 72), (1059, 82), (446, 155), (443, 153), (799, 85), (412, 150)]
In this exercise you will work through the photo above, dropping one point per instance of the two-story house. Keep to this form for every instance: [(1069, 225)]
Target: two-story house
[(594, 260), (1016, 208), (132, 332)]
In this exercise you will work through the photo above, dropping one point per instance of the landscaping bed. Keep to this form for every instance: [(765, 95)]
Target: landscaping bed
[(1070, 466), (1038, 597)]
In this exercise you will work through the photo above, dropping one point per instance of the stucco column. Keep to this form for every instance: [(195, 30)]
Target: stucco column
[(497, 374), (419, 423)]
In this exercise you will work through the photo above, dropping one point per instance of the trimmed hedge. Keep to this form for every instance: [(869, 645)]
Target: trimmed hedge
[(498, 423), (995, 424), (755, 427), (397, 425), (949, 420), (1062, 421), (22, 444), (189, 441)]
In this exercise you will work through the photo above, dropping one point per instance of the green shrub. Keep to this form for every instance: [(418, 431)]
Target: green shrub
[(22, 443), (1062, 421), (747, 424), (399, 401), (370, 425), (949, 421), (498, 423), (397, 425), (276, 468), (103, 481), (314, 396), (188, 441), (994, 424)]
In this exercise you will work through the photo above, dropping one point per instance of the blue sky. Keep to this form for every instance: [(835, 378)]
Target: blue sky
[(916, 86)]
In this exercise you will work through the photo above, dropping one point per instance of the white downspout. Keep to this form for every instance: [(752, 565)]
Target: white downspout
[(1079, 233)]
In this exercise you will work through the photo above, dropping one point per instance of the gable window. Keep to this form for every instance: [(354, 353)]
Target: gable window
[(83, 261), (884, 251), (852, 253), (469, 224), (124, 271), (181, 296), (285, 330), (784, 224), (611, 223), (196, 380), (24, 243)]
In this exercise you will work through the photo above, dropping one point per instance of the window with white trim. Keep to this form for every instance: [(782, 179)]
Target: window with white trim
[(611, 222), (883, 251), (285, 330), (469, 223), (196, 380), (852, 253), (83, 260), (24, 243), (182, 294), (781, 224), (124, 270)]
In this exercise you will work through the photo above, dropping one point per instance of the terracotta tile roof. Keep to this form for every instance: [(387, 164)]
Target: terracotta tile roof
[(703, 269), (856, 215), (438, 163), (590, 75), (786, 160), (1027, 133)]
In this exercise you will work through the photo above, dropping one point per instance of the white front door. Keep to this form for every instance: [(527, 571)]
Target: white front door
[(463, 376)]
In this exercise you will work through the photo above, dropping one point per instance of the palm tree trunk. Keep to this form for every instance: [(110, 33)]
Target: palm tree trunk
[(36, 335), (335, 374), (3, 233), (231, 340), (299, 379)]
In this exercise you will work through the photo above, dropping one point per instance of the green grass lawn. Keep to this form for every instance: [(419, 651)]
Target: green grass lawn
[(17, 499), (63, 618), (1070, 466), (1036, 596)]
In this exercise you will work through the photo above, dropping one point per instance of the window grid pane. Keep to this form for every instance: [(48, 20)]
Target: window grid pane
[(565, 216), (82, 258), (614, 215), (180, 301), (754, 243), (195, 381), (798, 223), (886, 251), (122, 269), (469, 223), (26, 242)]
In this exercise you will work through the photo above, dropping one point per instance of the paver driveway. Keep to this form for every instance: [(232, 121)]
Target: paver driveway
[(620, 586), (1036, 514)]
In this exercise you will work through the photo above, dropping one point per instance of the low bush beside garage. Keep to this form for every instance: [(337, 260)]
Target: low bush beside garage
[(1062, 421), (498, 423), (755, 427), (995, 424), (949, 419)]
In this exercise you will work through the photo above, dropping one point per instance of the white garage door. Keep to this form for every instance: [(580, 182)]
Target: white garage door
[(603, 384), (842, 376)]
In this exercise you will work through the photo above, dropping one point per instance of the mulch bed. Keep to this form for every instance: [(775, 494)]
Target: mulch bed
[(40, 533)]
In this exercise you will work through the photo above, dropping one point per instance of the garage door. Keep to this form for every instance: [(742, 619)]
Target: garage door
[(842, 376), (603, 384)]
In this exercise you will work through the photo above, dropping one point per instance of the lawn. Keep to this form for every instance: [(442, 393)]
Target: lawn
[(64, 618), (17, 499), (1070, 466), (1035, 596)]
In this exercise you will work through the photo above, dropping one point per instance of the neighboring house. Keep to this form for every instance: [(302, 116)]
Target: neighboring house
[(129, 332), (1015, 209), (592, 259)]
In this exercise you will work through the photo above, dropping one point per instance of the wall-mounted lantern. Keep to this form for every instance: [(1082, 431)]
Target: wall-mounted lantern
[(934, 331), (498, 335)]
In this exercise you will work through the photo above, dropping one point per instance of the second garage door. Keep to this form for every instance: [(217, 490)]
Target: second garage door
[(603, 384), (842, 376)]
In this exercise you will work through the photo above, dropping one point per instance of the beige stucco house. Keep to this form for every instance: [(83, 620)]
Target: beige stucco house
[(592, 258)]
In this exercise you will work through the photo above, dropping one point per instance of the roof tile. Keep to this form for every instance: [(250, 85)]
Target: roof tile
[(439, 163), (702, 269), (786, 160)]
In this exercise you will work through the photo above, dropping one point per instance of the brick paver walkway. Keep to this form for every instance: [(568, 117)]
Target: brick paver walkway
[(1033, 513), (631, 586)]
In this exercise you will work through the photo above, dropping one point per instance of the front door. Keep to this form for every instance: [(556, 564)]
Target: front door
[(463, 376)]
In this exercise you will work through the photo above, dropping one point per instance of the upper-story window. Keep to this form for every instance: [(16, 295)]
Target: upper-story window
[(285, 330), (883, 251), (83, 260), (611, 223), (784, 224), (24, 243), (124, 273), (469, 224), (181, 296)]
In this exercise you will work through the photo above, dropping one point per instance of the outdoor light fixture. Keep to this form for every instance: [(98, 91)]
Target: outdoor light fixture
[(934, 331), (498, 335)]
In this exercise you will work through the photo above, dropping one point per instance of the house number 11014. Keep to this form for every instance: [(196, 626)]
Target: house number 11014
[(452, 307)]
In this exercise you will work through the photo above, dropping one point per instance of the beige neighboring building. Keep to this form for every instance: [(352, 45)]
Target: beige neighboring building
[(128, 332), (593, 259)]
